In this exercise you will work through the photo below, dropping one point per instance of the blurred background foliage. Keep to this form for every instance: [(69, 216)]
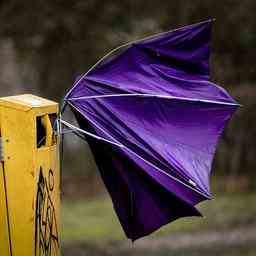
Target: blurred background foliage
[(45, 45)]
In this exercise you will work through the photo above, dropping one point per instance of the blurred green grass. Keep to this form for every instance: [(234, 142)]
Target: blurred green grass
[(94, 221)]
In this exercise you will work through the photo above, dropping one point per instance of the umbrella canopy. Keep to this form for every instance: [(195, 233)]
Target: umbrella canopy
[(153, 119)]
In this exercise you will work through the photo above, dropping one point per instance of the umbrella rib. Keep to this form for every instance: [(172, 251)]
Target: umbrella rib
[(123, 146), (152, 95), (72, 127)]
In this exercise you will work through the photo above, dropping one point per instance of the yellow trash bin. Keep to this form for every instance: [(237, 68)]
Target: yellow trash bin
[(29, 177)]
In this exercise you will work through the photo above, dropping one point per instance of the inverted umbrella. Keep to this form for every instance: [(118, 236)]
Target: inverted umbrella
[(153, 119)]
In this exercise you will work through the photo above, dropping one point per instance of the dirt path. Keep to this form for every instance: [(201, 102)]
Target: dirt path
[(235, 237), (240, 236)]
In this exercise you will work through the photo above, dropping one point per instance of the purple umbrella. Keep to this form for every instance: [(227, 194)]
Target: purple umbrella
[(153, 119)]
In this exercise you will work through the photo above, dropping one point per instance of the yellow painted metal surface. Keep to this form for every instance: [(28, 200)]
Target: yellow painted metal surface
[(29, 177), (4, 234)]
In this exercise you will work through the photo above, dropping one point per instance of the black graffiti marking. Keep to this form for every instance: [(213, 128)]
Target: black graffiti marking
[(51, 180), (46, 231)]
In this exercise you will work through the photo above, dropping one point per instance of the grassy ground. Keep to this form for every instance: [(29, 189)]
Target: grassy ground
[(95, 220), (92, 225)]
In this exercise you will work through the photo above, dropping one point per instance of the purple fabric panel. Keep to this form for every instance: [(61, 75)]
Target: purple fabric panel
[(131, 74), (176, 136), (143, 202), (137, 70), (170, 184), (188, 47), (91, 88)]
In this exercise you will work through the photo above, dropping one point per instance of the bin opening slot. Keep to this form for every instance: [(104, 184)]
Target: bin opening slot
[(44, 130)]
